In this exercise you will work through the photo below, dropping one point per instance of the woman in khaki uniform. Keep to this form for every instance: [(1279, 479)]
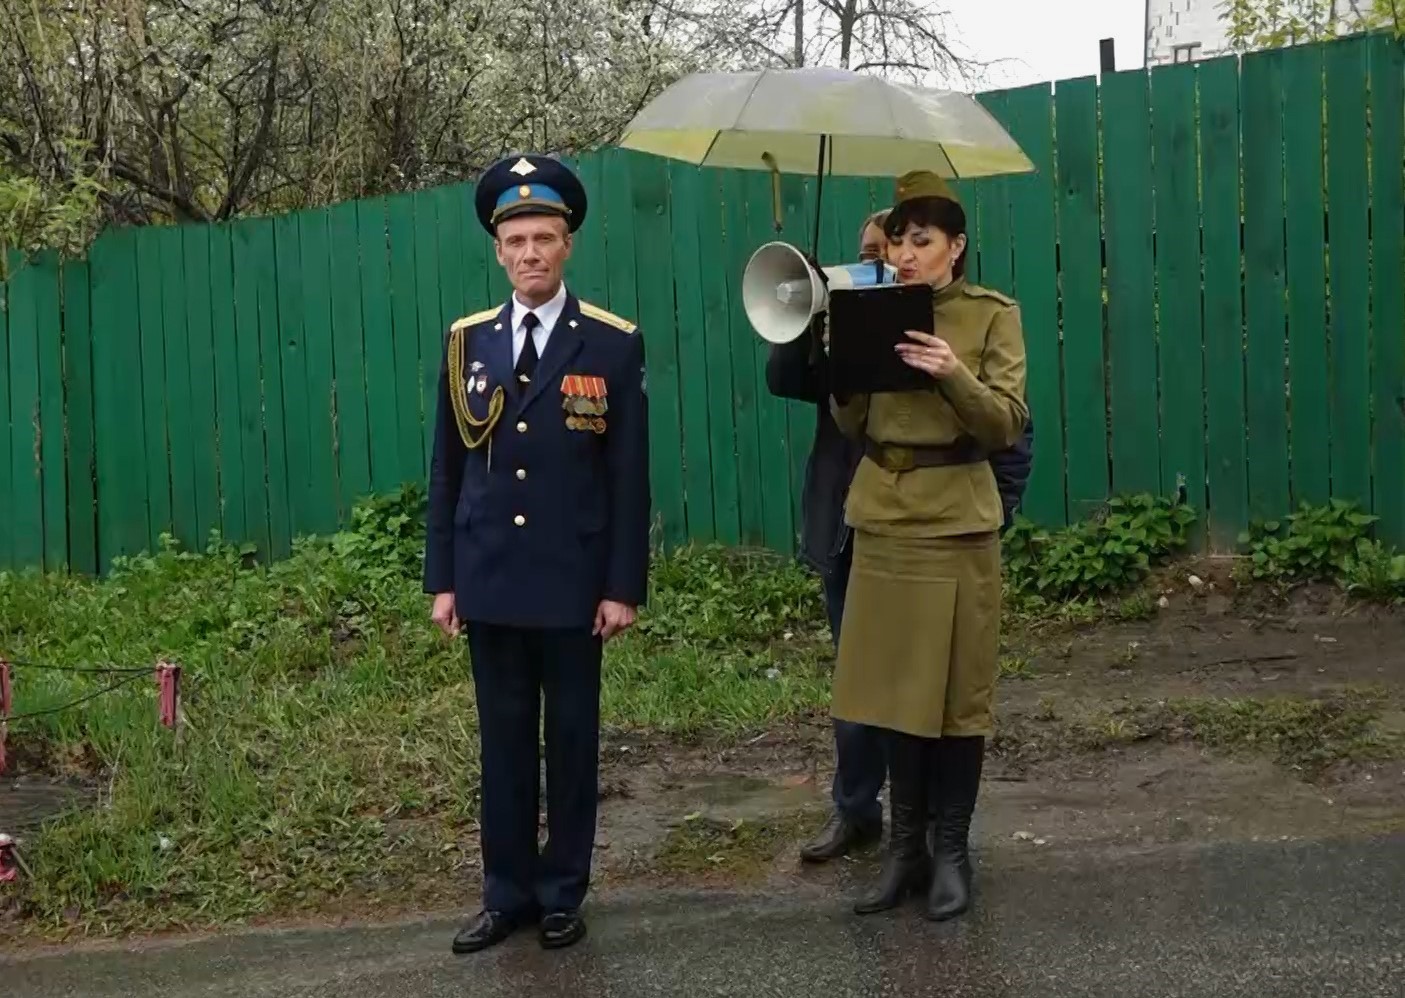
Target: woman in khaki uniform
[(919, 648)]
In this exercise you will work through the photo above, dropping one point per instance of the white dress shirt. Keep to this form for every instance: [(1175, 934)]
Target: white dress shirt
[(547, 314)]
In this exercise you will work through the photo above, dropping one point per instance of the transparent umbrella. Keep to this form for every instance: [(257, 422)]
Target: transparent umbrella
[(831, 122)]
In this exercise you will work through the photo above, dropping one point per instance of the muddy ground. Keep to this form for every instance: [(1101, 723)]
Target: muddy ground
[(1084, 756)]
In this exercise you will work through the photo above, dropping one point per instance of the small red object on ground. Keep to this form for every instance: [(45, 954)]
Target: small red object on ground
[(168, 679), (9, 860)]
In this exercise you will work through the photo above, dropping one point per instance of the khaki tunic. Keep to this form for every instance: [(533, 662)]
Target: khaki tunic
[(919, 646)]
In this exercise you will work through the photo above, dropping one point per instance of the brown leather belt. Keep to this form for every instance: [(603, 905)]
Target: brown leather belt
[(894, 457)]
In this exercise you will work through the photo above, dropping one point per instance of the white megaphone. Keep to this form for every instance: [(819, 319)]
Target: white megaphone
[(782, 293)]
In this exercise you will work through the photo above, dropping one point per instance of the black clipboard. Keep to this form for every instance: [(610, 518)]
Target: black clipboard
[(865, 324)]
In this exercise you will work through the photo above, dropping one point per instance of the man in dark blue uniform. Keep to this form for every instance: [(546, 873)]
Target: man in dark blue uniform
[(538, 542), (826, 544)]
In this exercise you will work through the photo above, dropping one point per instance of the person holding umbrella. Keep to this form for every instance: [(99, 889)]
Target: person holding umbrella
[(918, 652)]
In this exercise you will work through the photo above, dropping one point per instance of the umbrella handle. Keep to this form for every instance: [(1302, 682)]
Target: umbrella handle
[(770, 161)]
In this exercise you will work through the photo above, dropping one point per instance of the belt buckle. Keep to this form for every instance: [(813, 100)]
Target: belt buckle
[(898, 458)]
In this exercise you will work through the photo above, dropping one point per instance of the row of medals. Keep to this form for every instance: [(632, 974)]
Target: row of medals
[(585, 413)]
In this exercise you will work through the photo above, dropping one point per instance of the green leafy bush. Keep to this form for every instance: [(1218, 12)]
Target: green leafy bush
[(385, 539), (1314, 544), (1098, 556)]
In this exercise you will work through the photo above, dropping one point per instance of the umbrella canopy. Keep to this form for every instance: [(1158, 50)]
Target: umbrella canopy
[(785, 119)]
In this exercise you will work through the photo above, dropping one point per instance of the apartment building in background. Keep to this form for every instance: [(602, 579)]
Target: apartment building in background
[(1191, 30)]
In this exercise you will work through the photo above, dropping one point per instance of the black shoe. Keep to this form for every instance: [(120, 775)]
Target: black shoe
[(561, 929), (488, 929), (959, 761), (840, 836), (906, 866)]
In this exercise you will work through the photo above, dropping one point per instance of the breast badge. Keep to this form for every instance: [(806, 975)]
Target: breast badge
[(583, 399)]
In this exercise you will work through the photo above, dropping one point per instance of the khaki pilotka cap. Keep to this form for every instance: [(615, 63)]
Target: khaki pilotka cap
[(922, 184)]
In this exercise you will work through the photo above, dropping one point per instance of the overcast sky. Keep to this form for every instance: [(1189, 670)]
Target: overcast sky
[(1047, 39)]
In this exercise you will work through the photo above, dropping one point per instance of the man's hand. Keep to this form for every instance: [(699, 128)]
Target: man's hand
[(611, 618), (445, 615), (928, 353)]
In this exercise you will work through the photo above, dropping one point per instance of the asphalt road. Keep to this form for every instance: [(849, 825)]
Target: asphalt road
[(1284, 919)]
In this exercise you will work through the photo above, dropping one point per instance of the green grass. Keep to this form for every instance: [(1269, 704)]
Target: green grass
[(329, 751)]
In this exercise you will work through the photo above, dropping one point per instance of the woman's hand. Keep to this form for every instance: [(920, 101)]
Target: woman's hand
[(928, 353)]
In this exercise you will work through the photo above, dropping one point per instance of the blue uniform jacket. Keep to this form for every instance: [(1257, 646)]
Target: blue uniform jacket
[(536, 523)]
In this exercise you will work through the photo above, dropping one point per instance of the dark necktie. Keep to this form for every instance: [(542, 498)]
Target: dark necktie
[(527, 359)]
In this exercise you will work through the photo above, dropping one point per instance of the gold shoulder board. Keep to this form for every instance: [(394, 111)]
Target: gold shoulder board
[(609, 318), (475, 318), (976, 291)]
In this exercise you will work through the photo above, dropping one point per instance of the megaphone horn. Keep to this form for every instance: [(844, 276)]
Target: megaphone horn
[(782, 293)]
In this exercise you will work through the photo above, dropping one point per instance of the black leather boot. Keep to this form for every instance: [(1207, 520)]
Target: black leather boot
[(906, 865), (840, 836), (958, 762)]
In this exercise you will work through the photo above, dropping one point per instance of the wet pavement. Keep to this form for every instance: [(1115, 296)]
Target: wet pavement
[(1279, 920)]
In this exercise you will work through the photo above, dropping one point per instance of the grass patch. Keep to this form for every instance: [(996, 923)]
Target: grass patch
[(742, 849), (330, 755)]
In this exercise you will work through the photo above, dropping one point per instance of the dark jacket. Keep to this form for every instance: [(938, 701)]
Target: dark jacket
[(548, 513), (830, 466)]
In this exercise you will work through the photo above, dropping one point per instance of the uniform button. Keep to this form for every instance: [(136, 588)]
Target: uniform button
[(519, 519), (522, 427), (521, 473)]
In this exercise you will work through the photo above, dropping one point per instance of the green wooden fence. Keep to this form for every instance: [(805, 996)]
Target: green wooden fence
[(1210, 260)]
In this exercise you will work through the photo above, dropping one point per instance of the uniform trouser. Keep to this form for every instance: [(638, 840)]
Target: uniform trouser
[(516, 671), (859, 750)]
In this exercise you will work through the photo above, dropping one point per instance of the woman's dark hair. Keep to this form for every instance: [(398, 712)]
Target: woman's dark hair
[(938, 213)]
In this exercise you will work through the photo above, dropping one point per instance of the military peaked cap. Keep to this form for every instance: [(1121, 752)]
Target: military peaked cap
[(529, 185)]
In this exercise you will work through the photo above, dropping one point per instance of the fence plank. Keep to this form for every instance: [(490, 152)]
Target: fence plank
[(657, 322), (690, 275), (199, 327), (1265, 291), (738, 250), (1388, 291), (1131, 310), (772, 425), (1080, 264), (7, 523), (1182, 339), (26, 511), (78, 350), (233, 516), (1224, 320), (323, 480), (53, 450), (432, 331), (1308, 365), (287, 248), (449, 256), (378, 344), (717, 335), (180, 430), (993, 236), (1029, 112), (246, 247), (153, 382), (479, 259), (586, 275), (270, 367), (348, 348), (405, 330), (1348, 197)]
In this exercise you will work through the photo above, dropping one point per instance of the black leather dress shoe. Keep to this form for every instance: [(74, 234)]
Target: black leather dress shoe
[(488, 929), (561, 929), (839, 837)]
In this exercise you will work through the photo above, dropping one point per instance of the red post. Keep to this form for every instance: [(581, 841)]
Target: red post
[(9, 860), (4, 709), (168, 681)]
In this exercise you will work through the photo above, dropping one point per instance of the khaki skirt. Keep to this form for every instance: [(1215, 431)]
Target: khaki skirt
[(919, 647)]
